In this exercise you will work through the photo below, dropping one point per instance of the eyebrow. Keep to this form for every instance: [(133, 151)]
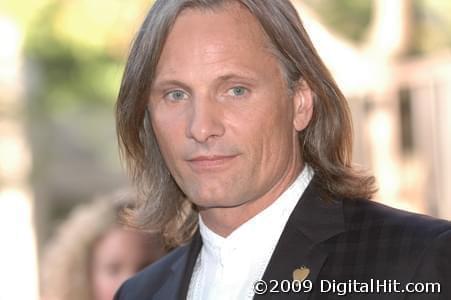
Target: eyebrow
[(231, 76), (160, 84)]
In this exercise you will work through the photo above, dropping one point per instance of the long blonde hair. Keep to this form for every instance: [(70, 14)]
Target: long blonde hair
[(326, 143)]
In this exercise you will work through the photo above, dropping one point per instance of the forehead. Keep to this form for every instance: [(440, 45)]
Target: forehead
[(226, 34), (233, 15)]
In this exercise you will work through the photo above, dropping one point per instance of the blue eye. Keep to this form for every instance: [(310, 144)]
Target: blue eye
[(176, 95), (237, 91)]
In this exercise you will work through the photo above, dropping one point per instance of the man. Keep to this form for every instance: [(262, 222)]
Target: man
[(230, 122)]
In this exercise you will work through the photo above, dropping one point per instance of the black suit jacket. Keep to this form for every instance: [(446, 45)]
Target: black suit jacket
[(341, 240)]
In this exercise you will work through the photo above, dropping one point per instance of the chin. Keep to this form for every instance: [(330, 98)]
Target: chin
[(211, 201), (205, 203)]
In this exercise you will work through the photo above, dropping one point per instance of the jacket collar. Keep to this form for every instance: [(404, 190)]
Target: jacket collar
[(317, 217), (196, 245)]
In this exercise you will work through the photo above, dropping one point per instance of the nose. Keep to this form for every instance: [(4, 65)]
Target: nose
[(206, 120)]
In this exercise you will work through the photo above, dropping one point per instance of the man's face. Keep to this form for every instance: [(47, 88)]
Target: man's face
[(221, 111)]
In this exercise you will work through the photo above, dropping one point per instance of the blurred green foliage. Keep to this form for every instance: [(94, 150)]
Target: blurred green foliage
[(431, 26), (75, 50), (349, 18), (430, 19)]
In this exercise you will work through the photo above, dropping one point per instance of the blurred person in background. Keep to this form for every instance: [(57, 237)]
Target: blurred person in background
[(92, 253)]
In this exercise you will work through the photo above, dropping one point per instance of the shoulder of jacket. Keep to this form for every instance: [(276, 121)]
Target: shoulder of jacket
[(374, 214)]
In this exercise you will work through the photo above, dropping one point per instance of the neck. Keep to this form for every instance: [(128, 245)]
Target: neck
[(224, 220)]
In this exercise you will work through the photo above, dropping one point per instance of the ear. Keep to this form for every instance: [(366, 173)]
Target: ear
[(303, 105)]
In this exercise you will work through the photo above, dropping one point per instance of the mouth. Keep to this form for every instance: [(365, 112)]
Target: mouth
[(210, 162)]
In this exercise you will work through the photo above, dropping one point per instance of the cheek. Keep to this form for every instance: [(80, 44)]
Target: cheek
[(169, 135), (273, 138)]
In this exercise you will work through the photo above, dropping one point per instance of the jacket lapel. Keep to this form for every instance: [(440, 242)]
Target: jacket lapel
[(176, 286), (313, 221)]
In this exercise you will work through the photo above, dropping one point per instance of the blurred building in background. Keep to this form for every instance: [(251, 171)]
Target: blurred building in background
[(18, 261), (398, 82), (60, 69)]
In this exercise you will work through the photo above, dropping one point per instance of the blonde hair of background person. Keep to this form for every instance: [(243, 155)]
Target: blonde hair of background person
[(68, 264)]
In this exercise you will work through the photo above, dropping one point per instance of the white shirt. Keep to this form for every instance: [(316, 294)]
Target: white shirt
[(227, 268)]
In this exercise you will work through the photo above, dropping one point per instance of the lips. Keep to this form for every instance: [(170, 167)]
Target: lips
[(210, 162)]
